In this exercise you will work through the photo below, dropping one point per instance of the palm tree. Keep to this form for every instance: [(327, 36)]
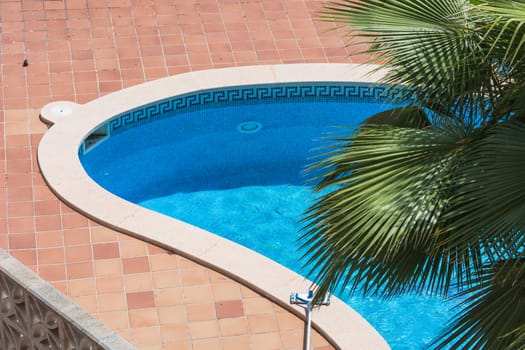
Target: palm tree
[(430, 198)]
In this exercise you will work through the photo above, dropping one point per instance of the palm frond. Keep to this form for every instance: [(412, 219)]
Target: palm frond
[(377, 224), (502, 24), (408, 205), (487, 205), (493, 311), (433, 49)]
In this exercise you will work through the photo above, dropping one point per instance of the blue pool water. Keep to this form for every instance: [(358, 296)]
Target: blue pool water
[(245, 182), (264, 218)]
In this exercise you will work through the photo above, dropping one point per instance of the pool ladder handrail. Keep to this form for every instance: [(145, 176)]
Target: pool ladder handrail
[(306, 300)]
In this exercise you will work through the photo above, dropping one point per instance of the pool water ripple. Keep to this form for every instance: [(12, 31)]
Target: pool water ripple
[(265, 219)]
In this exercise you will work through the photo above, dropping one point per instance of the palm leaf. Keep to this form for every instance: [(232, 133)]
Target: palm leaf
[(387, 189), (402, 117), (487, 206), (432, 48), (492, 317), (408, 206), (502, 25)]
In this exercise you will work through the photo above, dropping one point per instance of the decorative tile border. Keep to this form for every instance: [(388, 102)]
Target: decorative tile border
[(265, 93)]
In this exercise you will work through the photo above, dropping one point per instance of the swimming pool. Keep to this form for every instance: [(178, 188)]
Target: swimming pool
[(86, 126), (231, 162)]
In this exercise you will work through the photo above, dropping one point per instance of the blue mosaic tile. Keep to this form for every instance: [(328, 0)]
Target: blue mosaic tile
[(263, 93)]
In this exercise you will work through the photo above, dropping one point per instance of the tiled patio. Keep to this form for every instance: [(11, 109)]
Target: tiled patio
[(78, 50)]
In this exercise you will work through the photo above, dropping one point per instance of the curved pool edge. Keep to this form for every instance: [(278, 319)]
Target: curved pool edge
[(61, 168)]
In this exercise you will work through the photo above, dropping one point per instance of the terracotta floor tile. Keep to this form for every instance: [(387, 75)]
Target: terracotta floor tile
[(106, 251), (287, 321), (117, 320), (179, 345), (49, 207), (50, 272), (20, 180), (109, 284), (79, 287), (20, 240), (111, 302), (253, 306), (61, 286), (201, 312), (20, 194), (318, 341), (145, 335), (136, 265), (162, 261), (292, 339), (108, 267), (166, 279), (49, 239), (262, 323), (229, 308), (217, 278), (174, 333), (197, 276), (79, 253), (226, 291), (236, 342), (171, 297), (143, 318), (41, 193), (266, 341), (203, 329), (28, 257), (51, 256), (138, 282), (138, 300), (197, 294), (184, 263), (87, 302), (20, 209), (134, 248), (48, 222), (77, 236), (207, 344), (101, 234), (172, 314), (80, 270), (233, 326), (72, 221)]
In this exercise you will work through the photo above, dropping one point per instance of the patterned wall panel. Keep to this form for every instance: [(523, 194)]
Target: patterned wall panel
[(26, 323), (35, 316)]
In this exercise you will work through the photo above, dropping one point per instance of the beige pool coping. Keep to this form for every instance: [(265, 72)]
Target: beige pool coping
[(62, 170)]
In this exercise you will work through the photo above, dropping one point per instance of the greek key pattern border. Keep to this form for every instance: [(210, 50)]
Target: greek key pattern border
[(352, 92)]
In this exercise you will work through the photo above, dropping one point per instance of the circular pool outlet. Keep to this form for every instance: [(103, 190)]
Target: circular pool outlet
[(55, 111), (249, 127)]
